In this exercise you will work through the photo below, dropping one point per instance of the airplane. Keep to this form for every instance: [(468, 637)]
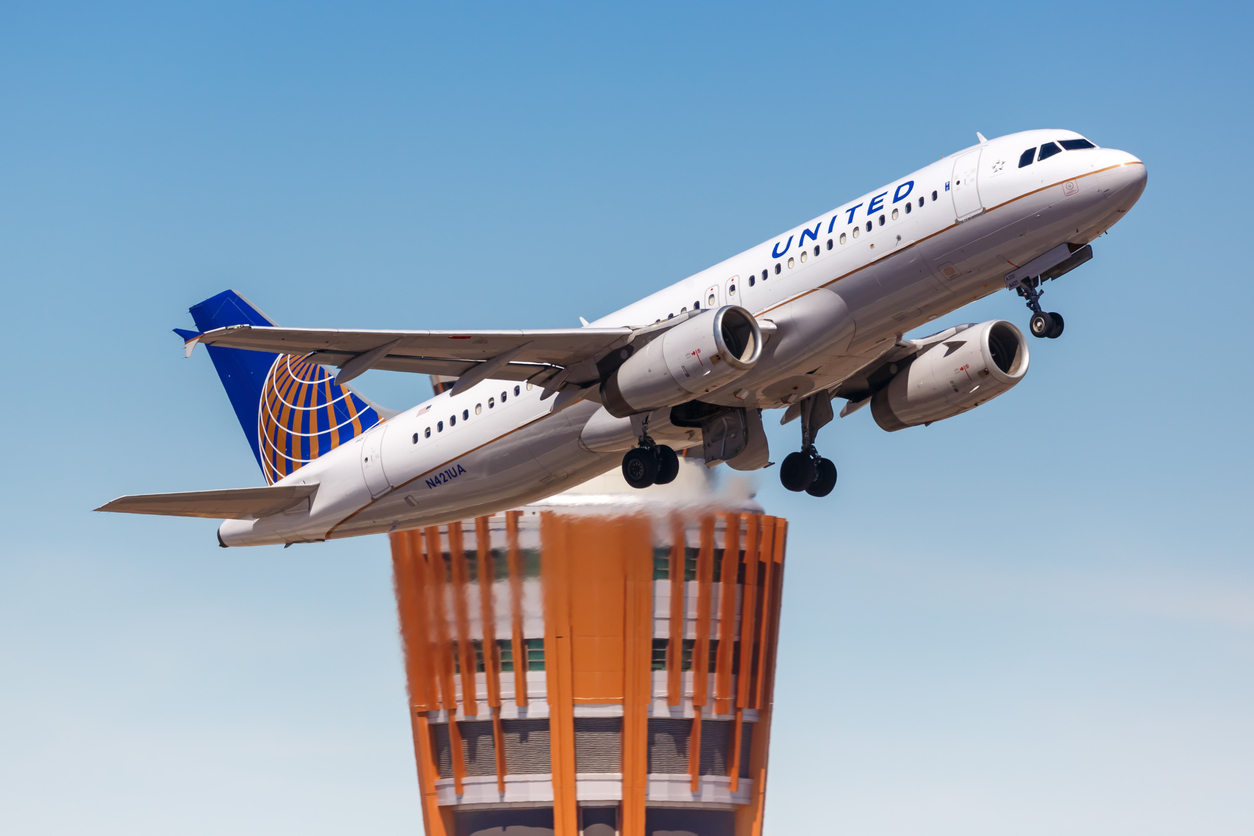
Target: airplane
[(817, 313)]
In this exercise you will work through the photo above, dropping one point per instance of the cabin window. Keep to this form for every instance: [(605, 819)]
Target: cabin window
[(804, 253), (790, 263), (920, 201), (829, 243), (752, 280), (816, 249), (696, 306), (777, 268), (415, 438), (894, 214), (1025, 159), (670, 316), (907, 210), (731, 290), (1048, 150), (763, 275), (491, 402), (683, 310), (452, 421), (504, 396), (1075, 144), (439, 426), (842, 237), (869, 224), (856, 231), (712, 301), (426, 433), (881, 220), (465, 414), (933, 196), (478, 408)]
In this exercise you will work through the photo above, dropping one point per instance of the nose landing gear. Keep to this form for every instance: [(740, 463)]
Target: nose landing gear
[(1041, 324), (650, 463), (807, 470)]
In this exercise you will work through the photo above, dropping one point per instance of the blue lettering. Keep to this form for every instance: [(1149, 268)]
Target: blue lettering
[(877, 203), (833, 223), (851, 211), (445, 476), (814, 236), (775, 253), (899, 194)]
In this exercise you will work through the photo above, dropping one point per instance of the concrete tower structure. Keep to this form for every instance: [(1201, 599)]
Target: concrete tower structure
[(598, 664)]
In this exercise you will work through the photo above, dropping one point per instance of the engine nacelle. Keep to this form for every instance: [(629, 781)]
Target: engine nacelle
[(951, 377), (692, 359)]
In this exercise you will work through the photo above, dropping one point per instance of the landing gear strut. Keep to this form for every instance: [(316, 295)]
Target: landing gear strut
[(807, 470), (650, 463), (1041, 324)]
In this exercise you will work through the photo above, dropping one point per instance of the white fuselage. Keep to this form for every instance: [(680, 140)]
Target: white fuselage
[(838, 302)]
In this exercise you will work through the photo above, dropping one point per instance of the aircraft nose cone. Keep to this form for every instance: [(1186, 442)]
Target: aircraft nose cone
[(1125, 178)]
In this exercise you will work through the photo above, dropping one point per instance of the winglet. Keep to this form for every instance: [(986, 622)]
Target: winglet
[(980, 136), (190, 338)]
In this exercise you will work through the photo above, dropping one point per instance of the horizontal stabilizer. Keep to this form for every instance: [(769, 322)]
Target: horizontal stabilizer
[(230, 504)]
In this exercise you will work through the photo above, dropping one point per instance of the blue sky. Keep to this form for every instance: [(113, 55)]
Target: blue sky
[(1034, 618)]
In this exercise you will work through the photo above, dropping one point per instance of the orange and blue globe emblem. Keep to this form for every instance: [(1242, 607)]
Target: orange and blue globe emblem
[(303, 415)]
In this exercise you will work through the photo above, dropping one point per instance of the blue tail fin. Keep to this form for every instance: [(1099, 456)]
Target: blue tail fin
[(290, 409)]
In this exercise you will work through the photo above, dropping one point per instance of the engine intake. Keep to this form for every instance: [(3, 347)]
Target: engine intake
[(972, 367), (692, 359)]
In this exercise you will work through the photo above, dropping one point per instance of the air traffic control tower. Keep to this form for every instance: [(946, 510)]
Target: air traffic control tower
[(601, 663)]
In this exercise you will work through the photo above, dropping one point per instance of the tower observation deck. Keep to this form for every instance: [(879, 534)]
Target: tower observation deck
[(601, 663)]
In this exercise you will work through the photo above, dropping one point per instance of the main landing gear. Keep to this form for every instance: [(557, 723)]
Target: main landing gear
[(1041, 324), (650, 463), (807, 470)]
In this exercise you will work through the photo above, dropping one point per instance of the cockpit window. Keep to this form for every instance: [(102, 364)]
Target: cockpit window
[(1025, 159), (1048, 150), (1076, 144)]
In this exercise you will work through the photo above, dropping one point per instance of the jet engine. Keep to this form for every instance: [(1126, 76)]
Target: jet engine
[(692, 359), (951, 377)]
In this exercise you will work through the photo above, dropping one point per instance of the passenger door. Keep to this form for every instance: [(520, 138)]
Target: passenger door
[(372, 460), (963, 185)]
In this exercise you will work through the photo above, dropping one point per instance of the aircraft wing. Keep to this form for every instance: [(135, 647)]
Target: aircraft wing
[(230, 504), (509, 355)]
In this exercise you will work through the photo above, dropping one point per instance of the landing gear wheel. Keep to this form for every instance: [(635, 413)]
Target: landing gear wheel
[(1058, 325), (640, 467), (824, 479), (797, 472), (1042, 324), (667, 465)]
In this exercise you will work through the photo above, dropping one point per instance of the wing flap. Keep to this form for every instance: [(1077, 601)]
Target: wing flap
[(559, 347), (229, 504)]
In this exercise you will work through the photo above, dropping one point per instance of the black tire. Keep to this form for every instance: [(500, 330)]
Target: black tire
[(667, 465), (640, 467), (797, 471), (1041, 324), (824, 480), (1058, 325)]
